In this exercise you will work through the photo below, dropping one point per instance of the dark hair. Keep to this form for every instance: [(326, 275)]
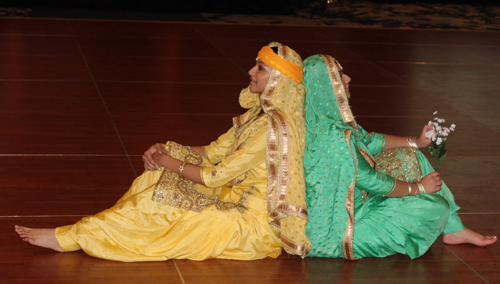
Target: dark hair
[(275, 49)]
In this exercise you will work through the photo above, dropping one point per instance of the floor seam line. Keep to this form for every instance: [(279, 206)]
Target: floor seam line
[(456, 255), (102, 98), (178, 271)]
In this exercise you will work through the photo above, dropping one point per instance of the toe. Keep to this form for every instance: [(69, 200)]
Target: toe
[(493, 239)]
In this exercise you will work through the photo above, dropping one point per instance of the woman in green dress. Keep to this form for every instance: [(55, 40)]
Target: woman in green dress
[(369, 194)]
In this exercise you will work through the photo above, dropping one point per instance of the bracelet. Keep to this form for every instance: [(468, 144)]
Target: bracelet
[(412, 141), (421, 187), (181, 169), (409, 189)]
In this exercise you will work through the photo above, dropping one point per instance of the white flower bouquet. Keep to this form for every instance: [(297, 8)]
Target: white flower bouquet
[(438, 135)]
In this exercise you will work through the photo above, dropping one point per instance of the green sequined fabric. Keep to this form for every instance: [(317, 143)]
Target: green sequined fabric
[(400, 163)]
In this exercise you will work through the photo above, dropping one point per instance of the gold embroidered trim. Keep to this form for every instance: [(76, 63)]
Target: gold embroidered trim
[(293, 209), (278, 155), (273, 151), (400, 163), (242, 203), (272, 161), (347, 242), (339, 91), (294, 248), (278, 159), (392, 188), (383, 143), (275, 224), (180, 193), (367, 157)]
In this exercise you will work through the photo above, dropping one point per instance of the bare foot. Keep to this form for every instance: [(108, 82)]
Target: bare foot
[(467, 236), (40, 237)]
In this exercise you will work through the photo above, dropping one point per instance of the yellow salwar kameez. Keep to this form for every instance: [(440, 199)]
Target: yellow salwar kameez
[(238, 213)]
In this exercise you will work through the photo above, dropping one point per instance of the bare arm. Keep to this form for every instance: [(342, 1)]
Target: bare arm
[(393, 142), (150, 164), (190, 172), (199, 150), (431, 183), (154, 159)]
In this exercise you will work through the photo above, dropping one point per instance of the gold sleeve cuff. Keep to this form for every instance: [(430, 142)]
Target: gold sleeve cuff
[(392, 188), (383, 143)]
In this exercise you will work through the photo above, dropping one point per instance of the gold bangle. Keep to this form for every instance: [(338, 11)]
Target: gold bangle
[(181, 169), (409, 189), (421, 187), (412, 141)]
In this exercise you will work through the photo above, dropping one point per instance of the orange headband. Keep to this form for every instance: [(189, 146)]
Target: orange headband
[(289, 69)]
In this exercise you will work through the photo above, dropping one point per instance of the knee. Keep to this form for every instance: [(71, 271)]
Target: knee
[(440, 206)]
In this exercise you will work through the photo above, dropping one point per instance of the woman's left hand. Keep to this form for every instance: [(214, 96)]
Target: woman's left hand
[(157, 158), (149, 163), (423, 141)]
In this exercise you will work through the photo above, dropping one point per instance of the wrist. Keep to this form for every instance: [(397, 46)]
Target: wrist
[(163, 160), (418, 142), (412, 141), (414, 189), (421, 188), (421, 143)]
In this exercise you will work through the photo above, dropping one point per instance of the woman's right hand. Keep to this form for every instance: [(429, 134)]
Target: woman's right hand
[(432, 182), (149, 163), (424, 141)]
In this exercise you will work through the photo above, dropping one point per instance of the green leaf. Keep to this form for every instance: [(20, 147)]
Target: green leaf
[(434, 152), (443, 155)]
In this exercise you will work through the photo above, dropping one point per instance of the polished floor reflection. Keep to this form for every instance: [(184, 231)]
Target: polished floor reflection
[(81, 100)]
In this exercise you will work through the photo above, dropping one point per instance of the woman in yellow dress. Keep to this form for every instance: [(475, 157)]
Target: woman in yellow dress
[(241, 197)]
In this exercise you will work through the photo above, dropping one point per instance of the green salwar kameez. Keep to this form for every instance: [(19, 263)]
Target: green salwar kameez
[(348, 175)]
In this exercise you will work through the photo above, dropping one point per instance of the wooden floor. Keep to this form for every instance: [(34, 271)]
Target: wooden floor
[(81, 100)]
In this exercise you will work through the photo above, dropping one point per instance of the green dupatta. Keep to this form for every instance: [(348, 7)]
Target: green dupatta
[(330, 160)]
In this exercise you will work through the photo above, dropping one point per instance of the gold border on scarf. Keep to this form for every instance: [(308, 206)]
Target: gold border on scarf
[(347, 242), (293, 209), (367, 157), (339, 91), (294, 248), (277, 155), (278, 158)]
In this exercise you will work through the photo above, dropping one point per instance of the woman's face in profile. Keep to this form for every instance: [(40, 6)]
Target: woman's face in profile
[(344, 78), (345, 81), (259, 75)]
